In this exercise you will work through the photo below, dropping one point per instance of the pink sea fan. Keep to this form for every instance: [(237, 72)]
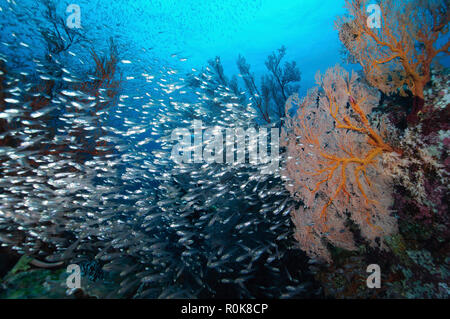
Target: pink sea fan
[(334, 165)]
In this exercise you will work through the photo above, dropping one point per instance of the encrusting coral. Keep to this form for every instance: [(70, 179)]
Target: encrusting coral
[(334, 165)]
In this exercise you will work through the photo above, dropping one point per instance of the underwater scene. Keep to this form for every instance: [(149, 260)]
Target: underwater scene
[(237, 149)]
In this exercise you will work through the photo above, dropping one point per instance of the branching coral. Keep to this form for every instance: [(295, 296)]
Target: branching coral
[(105, 80), (276, 86), (59, 37), (268, 99), (100, 93), (333, 164), (399, 54)]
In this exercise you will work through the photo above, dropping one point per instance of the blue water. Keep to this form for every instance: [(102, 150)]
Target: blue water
[(151, 33)]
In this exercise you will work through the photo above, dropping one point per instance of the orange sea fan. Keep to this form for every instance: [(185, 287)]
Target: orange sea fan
[(399, 53), (333, 165)]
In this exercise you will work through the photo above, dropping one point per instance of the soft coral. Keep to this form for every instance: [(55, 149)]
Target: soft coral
[(333, 164), (401, 51)]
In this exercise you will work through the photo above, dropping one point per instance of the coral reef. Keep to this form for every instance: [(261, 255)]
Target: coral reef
[(87, 175), (416, 264), (399, 53), (334, 165)]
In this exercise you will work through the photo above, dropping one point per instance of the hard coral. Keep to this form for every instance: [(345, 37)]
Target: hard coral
[(334, 166)]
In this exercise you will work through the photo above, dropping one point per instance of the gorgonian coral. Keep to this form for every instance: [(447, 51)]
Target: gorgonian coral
[(399, 53), (334, 165)]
